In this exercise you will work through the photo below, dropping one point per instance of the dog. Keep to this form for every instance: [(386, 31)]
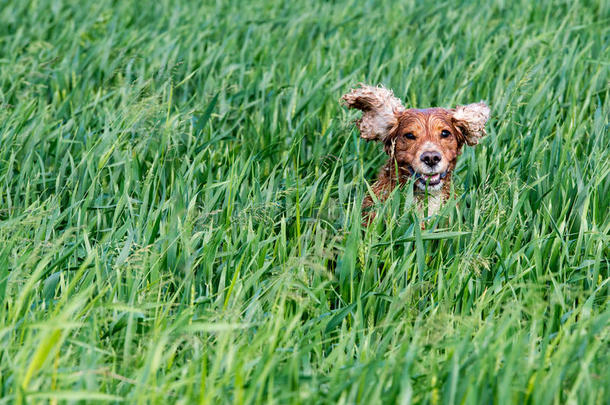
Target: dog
[(423, 145)]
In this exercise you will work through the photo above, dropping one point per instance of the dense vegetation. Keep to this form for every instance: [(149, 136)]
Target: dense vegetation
[(180, 196)]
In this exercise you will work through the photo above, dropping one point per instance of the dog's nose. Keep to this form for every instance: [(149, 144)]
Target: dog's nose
[(430, 158)]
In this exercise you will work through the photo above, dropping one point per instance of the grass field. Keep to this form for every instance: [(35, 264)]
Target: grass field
[(180, 196)]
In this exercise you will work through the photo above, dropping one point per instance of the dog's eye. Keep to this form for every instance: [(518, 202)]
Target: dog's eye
[(445, 133), (409, 135)]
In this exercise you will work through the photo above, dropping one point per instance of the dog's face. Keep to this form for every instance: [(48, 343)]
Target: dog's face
[(426, 142)]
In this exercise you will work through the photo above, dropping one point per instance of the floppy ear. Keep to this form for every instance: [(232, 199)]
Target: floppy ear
[(471, 119), (380, 110)]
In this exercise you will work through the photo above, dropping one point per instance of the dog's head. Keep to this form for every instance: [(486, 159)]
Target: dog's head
[(428, 141)]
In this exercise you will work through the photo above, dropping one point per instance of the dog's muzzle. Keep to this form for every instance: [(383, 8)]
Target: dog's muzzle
[(431, 180)]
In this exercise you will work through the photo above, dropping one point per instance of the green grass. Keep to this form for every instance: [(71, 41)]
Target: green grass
[(180, 198)]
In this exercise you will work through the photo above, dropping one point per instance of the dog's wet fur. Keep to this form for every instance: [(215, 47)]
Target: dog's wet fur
[(423, 144)]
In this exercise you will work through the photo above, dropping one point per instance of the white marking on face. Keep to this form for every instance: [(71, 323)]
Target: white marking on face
[(429, 147), (425, 169), (435, 187)]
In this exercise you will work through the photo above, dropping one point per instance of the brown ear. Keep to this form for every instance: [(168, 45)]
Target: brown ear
[(380, 110), (471, 119)]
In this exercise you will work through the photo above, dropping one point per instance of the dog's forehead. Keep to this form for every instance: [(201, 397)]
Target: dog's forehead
[(426, 116)]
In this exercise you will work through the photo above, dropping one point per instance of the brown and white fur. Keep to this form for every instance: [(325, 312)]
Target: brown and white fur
[(424, 144)]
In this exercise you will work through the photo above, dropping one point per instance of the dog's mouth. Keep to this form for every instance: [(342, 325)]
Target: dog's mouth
[(430, 180)]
